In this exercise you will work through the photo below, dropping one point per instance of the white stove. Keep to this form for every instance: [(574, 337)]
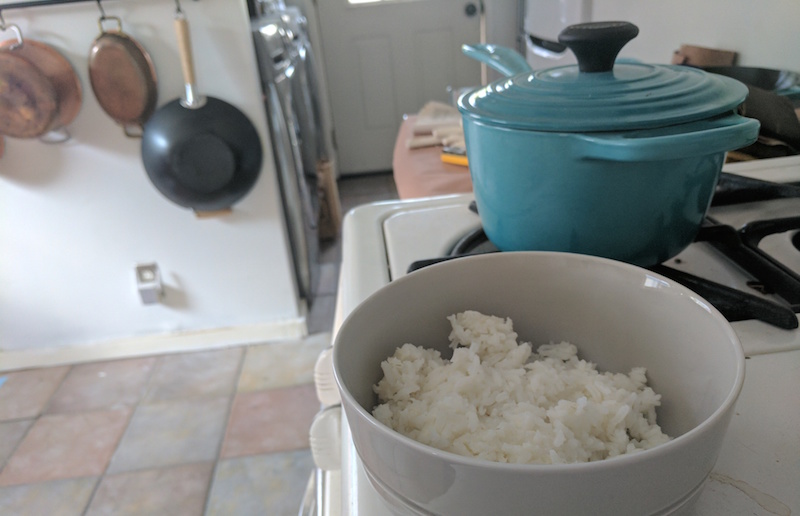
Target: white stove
[(758, 470)]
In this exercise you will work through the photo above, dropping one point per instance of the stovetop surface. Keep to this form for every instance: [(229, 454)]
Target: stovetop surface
[(744, 276), (757, 469)]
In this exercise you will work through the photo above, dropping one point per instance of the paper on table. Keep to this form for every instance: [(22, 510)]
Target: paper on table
[(435, 115)]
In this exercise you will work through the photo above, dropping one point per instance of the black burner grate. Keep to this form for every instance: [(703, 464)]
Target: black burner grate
[(741, 246)]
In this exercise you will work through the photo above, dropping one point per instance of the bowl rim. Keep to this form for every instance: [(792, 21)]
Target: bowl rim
[(623, 460)]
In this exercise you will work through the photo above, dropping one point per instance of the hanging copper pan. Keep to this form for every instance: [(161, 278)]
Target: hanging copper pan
[(123, 78), (28, 100), (56, 70)]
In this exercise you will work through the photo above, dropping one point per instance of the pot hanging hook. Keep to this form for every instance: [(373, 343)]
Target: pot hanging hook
[(13, 28), (102, 11), (104, 17)]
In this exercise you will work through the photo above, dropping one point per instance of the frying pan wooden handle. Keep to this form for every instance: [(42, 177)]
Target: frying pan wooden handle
[(185, 48)]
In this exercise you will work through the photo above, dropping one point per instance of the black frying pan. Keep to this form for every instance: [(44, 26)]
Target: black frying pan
[(200, 152)]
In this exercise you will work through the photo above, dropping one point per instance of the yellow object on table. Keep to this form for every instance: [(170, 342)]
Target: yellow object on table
[(421, 172), (454, 159)]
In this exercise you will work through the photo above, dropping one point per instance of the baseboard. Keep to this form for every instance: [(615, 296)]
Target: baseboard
[(153, 345)]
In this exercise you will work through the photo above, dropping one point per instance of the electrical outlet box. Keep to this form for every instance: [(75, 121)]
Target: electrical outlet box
[(148, 281)]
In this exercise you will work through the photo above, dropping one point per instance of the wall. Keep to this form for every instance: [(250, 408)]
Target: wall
[(75, 218), (764, 33)]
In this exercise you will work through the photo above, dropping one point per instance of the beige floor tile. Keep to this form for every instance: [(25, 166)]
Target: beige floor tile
[(67, 497), (190, 375), (271, 484), (328, 279), (270, 421), (102, 385), (172, 433), (378, 186), (24, 394), (281, 364), (11, 433), (322, 313), (175, 491), (330, 251), (65, 446)]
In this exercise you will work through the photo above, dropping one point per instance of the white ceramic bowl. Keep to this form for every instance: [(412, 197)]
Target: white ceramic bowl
[(619, 315)]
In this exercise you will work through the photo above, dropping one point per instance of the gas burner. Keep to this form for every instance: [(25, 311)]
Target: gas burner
[(735, 189), (776, 287), (745, 248), (734, 304)]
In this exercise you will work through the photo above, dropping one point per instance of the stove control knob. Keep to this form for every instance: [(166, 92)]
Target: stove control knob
[(324, 381), (325, 439)]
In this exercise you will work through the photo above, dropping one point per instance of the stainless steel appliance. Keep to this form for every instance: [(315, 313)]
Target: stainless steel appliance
[(305, 89), (757, 469), (278, 64)]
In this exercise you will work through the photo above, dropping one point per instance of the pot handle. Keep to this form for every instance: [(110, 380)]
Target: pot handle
[(503, 59), (699, 138), (191, 99), (792, 93), (596, 44)]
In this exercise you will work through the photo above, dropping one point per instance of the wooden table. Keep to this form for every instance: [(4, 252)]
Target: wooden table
[(421, 173)]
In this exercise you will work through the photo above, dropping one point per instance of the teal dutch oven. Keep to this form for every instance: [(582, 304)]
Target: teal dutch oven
[(613, 159)]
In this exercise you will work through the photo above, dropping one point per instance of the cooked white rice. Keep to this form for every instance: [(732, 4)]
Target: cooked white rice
[(499, 401)]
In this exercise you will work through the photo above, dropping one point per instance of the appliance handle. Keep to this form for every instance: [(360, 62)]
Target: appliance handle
[(700, 138), (546, 47), (308, 505)]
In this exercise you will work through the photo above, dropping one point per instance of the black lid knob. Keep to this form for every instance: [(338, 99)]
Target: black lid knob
[(596, 44)]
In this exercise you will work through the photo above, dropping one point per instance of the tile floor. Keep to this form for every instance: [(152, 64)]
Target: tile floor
[(217, 432), (353, 191)]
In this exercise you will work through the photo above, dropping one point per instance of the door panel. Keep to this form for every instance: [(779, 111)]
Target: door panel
[(376, 82), (387, 59)]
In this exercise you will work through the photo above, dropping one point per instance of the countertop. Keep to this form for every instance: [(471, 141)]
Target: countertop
[(421, 172)]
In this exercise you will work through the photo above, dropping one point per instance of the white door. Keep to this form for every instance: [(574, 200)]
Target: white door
[(386, 58)]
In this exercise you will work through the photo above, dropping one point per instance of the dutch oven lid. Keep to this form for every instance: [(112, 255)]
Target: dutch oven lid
[(598, 94)]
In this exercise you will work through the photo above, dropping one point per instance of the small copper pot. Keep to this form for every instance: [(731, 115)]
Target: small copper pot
[(123, 78), (46, 80)]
